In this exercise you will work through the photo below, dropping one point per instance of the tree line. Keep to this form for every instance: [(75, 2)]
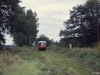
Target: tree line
[(20, 24), (82, 29)]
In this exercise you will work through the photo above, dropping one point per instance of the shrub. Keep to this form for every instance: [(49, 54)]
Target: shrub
[(98, 46)]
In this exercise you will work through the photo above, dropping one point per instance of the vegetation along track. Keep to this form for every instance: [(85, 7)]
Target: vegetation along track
[(29, 61), (63, 66)]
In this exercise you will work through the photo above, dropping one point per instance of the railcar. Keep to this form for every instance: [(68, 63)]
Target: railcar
[(42, 45)]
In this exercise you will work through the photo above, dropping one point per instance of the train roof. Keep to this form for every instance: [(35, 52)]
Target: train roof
[(42, 42)]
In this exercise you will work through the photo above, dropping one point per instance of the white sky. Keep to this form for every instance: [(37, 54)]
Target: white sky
[(51, 14)]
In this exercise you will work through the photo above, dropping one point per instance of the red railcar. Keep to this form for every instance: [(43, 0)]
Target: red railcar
[(42, 45)]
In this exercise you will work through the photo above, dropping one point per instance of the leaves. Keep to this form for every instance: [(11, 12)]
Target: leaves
[(83, 24), (7, 13), (26, 26)]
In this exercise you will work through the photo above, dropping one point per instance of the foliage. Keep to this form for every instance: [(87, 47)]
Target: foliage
[(15, 21), (25, 32), (8, 10), (83, 27), (98, 46)]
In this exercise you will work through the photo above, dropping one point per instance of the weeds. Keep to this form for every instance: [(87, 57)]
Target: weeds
[(54, 61)]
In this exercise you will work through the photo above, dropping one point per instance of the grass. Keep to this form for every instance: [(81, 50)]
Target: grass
[(25, 68), (98, 46), (54, 61), (88, 58), (21, 62), (64, 65)]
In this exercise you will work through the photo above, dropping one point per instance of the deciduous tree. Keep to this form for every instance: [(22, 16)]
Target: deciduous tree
[(83, 26)]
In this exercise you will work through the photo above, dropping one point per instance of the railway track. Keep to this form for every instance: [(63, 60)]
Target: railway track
[(62, 66)]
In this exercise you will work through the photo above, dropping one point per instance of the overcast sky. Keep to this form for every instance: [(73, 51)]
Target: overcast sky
[(51, 14)]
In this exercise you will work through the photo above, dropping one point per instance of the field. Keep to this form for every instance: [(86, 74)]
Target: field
[(54, 61)]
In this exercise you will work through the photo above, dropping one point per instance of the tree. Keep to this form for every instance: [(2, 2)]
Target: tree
[(32, 25), (7, 12), (83, 26), (26, 30)]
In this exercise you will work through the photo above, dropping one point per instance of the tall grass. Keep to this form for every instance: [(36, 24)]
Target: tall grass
[(30, 61), (98, 46), (88, 58)]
